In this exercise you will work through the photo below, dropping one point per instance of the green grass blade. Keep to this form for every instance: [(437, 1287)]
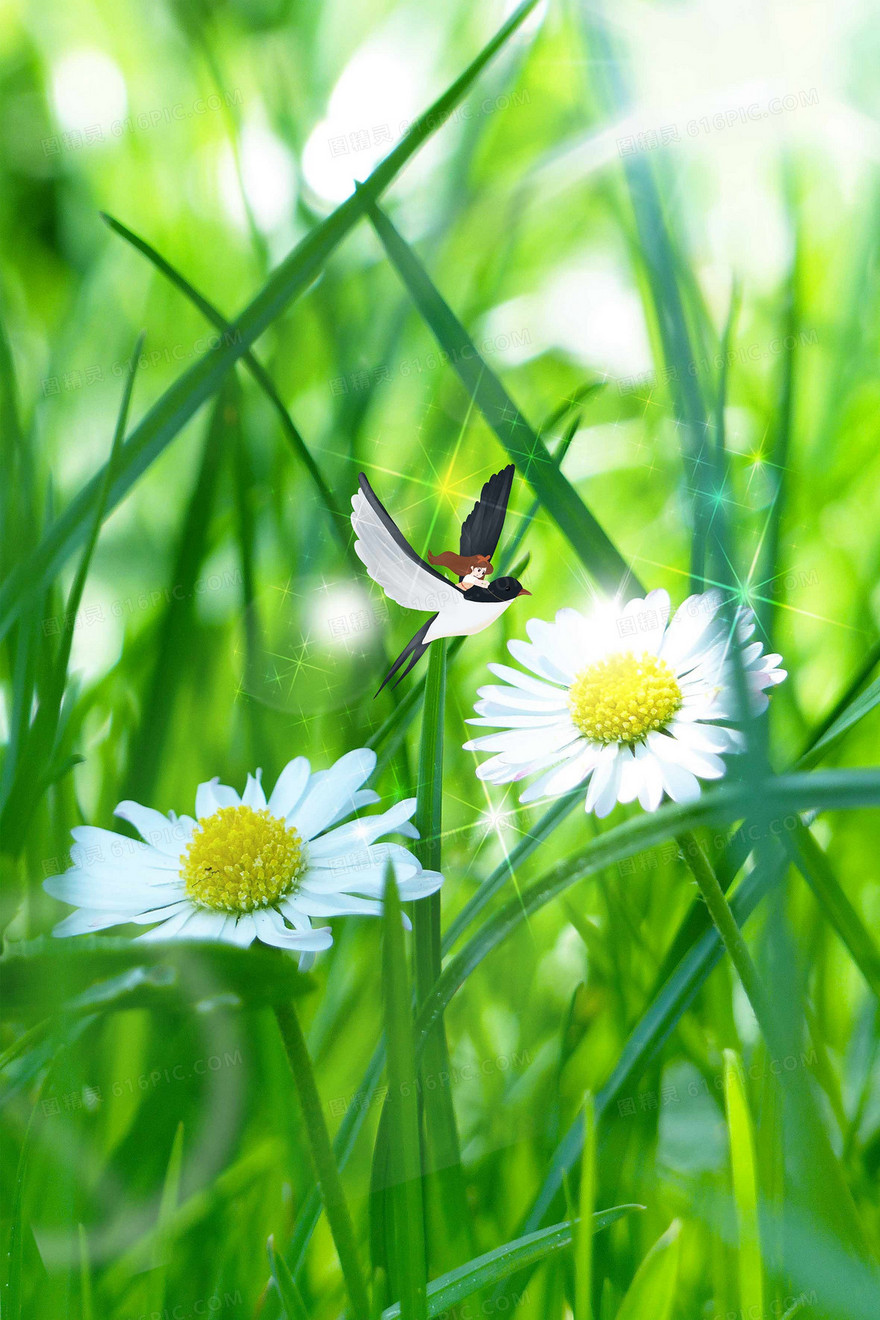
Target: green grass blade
[(178, 621), (860, 707), (321, 1151), (404, 1156), (182, 399), (814, 866), (778, 465), (343, 1144), (527, 450), (559, 453), (667, 280), (33, 772), (442, 1163), (12, 1275), (502, 875), (429, 819), (45, 977), (745, 1187), (780, 796), (583, 1238), (162, 1243), (652, 1291), (291, 1300), (85, 1276), (338, 515), (450, 1289)]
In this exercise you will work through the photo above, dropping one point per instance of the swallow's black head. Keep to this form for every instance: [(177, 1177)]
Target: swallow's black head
[(506, 588)]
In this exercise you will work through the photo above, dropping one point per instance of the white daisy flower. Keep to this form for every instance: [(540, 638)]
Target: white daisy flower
[(244, 868), (638, 707)]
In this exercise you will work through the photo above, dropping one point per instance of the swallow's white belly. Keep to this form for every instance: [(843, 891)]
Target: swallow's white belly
[(465, 618)]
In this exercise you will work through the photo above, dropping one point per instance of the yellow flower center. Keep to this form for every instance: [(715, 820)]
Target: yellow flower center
[(622, 698), (240, 859)]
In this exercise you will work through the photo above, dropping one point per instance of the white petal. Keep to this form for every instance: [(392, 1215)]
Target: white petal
[(197, 924), (630, 776), (212, 796), (535, 659), (240, 930), (272, 930), (159, 914), (557, 644), (606, 799), (364, 797), (706, 737), (361, 868), (84, 920), (651, 790), (513, 699), (97, 845), (330, 791), (601, 774), (419, 886), (362, 832), (687, 632), (524, 744), (336, 905), (563, 778), (651, 616), (517, 721), (119, 895), (289, 787), (679, 783), (167, 837), (524, 682), (253, 795), (706, 765)]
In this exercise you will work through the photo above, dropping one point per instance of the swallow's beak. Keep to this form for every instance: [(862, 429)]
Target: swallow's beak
[(523, 592)]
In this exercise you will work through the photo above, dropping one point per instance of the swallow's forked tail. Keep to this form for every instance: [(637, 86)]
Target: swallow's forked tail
[(413, 651)]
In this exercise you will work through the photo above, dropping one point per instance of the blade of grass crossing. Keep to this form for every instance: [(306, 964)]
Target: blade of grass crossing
[(781, 794), (814, 866), (450, 1289), (337, 514), (511, 548), (404, 1157), (182, 399), (852, 712), (745, 1187), (527, 450)]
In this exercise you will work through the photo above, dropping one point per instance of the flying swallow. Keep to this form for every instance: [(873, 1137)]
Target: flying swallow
[(460, 609)]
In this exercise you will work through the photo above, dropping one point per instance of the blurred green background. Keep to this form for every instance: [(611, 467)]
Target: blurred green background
[(728, 153)]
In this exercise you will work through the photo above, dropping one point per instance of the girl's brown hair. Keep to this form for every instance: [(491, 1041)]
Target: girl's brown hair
[(461, 564)]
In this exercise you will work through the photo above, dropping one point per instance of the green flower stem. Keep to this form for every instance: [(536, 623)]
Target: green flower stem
[(326, 1172)]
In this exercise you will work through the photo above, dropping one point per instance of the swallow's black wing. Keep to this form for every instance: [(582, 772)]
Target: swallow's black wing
[(390, 559), (482, 527)]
